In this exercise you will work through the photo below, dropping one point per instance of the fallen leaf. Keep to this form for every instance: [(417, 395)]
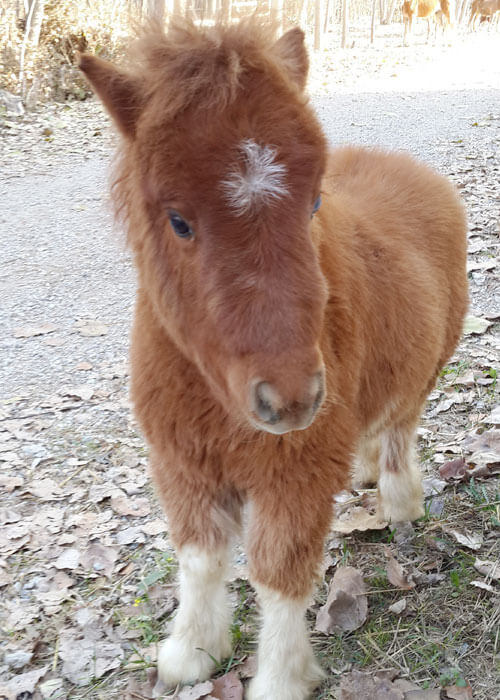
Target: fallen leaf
[(91, 328), (357, 518), (45, 489), (82, 391), (9, 483), (17, 659), (99, 558), (347, 606), (398, 607), (83, 366), (475, 325), (396, 574), (195, 692), (154, 527), (428, 694), (483, 585), (455, 469), (32, 331), (455, 692), (490, 569), (248, 668), (493, 418), (85, 658), (52, 689), (23, 685), (364, 686), (471, 541), (433, 486), (139, 507), (227, 687), (69, 559)]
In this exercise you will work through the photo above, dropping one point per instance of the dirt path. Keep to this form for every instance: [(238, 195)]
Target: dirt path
[(85, 559)]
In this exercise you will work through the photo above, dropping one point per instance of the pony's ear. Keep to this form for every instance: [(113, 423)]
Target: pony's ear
[(119, 92), (292, 52)]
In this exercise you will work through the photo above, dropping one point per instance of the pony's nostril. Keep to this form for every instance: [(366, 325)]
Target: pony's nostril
[(264, 398)]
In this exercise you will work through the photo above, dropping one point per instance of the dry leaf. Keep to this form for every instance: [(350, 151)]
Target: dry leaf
[(196, 692), (455, 692), (365, 686), (396, 574), (91, 329), (476, 326), (17, 659), (32, 331), (69, 559), (85, 658), (357, 518), (493, 418), (99, 558), (471, 541), (428, 694), (23, 685), (433, 486), (83, 392), (483, 585), (84, 366), (347, 606), (52, 689), (490, 569), (45, 489), (139, 507), (9, 483), (398, 607), (456, 469), (154, 527), (228, 687)]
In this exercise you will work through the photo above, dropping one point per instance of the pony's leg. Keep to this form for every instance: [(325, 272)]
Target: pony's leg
[(366, 465), (200, 635), (400, 484), (285, 546)]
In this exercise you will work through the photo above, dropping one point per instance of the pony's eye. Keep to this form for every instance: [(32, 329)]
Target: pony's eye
[(181, 227), (316, 206)]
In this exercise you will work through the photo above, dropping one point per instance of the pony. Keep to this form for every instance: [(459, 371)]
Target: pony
[(438, 11), (294, 308)]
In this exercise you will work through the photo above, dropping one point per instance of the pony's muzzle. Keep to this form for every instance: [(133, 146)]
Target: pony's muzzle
[(276, 414)]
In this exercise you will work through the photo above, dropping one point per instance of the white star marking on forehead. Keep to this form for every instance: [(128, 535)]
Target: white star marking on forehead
[(260, 181)]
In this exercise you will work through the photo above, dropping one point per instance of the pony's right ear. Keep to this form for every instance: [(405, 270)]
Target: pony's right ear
[(119, 92)]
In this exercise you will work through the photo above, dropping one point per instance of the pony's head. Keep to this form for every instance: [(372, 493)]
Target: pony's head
[(219, 178)]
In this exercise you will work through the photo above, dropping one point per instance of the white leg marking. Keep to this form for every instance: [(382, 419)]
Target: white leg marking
[(201, 625), (366, 467), (287, 669), (400, 483)]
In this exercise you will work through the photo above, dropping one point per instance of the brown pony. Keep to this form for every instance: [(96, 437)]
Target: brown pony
[(441, 11), (274, 339)]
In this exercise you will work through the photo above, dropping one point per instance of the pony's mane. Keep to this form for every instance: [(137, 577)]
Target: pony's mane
[(202, 67)]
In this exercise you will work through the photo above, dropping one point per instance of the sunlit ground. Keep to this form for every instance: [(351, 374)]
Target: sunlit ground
[(458, 60)]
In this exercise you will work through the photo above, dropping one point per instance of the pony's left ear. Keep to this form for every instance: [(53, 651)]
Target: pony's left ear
[(292, 52), (119, 92)]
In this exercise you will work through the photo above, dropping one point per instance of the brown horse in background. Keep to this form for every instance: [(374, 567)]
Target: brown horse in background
[(427, 9), (274, 339)]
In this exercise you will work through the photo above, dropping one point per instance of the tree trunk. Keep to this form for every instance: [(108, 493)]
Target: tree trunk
[(31, 38), (374, 11), (391, 7), (154, 9), (345, 22), (36, 22), (318, 21)]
